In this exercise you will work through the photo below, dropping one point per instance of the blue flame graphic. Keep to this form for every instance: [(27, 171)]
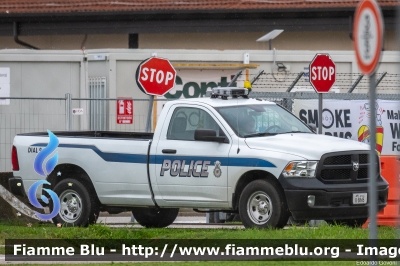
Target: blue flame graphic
[(44, 168), (38, 165), (32, 198)]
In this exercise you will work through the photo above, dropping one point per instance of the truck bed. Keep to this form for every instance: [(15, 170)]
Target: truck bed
[(96, 134)]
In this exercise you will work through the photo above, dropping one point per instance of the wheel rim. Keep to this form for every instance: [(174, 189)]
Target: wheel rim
[(71, 206), (259, 207)]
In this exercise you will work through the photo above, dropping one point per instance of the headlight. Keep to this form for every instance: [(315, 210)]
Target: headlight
[(302, 169)]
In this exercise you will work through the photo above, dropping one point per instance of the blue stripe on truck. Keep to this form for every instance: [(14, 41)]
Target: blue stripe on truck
[(225, 161), (106, 156), (158, 159)]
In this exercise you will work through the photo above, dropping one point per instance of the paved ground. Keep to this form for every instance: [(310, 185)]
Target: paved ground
[(180, 222)]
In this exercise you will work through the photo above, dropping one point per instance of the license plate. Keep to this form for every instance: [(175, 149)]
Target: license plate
[(360, 198)]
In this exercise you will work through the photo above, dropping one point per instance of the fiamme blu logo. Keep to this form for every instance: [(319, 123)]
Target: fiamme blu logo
[(45, 162)]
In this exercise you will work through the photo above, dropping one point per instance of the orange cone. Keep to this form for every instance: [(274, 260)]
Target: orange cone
[(389, 216)]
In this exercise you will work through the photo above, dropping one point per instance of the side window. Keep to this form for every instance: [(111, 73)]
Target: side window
[(185, 120)]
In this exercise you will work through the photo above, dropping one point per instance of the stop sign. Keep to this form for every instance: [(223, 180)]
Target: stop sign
[(155, 76), (322, 73)]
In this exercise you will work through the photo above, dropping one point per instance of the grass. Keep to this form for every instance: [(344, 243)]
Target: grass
[(19, 230), (101, 231)]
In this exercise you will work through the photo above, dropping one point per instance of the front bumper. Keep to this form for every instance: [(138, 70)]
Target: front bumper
[(332, 201)]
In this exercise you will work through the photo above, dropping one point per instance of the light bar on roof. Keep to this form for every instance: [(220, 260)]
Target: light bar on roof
[(226, 92)]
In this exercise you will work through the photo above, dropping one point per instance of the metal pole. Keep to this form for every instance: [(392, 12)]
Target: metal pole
[(235, 78), (380, 79), (397, 27), (295, 81), (320, 113), (256, 77), (150, 111), (355, 84), (372, 168), (68, 106)]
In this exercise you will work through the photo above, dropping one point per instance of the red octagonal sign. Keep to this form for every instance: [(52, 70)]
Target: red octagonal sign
[(322, 73), (155, 76)]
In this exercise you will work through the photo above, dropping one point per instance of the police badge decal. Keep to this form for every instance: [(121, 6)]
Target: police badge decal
[(217, 169)]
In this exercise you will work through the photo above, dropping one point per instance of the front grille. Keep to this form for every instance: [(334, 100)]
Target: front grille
[(341, 159), (362, 173), (336, 174), (364, 158), (340, 167)]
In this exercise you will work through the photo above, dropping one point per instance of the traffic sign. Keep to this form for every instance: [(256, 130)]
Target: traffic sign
[(368, 36), (155, 76), (322, 73)]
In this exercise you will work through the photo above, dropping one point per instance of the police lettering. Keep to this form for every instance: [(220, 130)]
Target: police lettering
[(177, 168)]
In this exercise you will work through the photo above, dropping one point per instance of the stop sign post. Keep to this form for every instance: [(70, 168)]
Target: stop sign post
[(322, 77), (368, 31), (155, 76)]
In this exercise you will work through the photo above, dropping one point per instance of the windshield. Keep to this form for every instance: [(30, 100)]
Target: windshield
[(261, 120)]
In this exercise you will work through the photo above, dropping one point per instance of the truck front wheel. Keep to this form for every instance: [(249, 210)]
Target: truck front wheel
[(155, 218), (262, 205), (78, 206)]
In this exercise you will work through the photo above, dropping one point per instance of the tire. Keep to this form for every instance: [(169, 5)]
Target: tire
[(348, 222), (262, 205), (153, 218), (78, 203)]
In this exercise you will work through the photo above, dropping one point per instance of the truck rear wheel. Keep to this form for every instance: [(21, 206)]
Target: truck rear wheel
[(78, 206), (155, 218), (262, 205), (348, 222)]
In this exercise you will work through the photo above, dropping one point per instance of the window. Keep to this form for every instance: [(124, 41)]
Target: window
[(248, 120), (98, 108), (185, 120)]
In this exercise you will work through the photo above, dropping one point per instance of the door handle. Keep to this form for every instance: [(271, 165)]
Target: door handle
[(169, 151)]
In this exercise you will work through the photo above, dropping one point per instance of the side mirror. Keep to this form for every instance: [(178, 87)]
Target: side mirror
[(209, 135)]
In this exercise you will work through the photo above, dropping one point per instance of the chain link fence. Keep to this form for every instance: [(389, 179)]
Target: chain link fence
[(101, 114), (24, 115), (286, 99), (387, 83)]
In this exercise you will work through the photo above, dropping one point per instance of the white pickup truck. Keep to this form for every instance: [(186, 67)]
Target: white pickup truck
[(232, 154)]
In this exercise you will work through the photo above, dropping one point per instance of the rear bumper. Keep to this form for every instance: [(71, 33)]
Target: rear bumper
[(332, 201), (17, 186)]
